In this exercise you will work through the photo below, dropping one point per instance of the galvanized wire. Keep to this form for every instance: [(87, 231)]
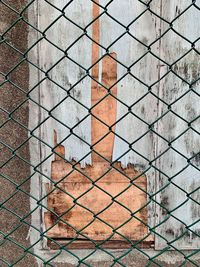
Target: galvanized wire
[(21, 16)]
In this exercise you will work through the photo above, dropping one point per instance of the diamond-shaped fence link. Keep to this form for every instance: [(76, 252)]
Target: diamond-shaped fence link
[(16, 134)]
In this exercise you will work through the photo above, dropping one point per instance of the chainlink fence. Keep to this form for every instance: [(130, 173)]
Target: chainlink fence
[(17, 160)]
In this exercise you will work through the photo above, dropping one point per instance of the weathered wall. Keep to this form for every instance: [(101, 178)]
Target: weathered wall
[(13, 135)]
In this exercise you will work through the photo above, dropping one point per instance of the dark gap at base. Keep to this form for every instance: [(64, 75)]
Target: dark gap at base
[(85, 244)]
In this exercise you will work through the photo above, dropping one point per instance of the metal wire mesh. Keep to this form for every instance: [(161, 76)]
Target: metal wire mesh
[(20, 129)]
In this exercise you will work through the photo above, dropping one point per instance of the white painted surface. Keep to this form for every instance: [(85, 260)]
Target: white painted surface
[(170, 127), (130, 90), (65, 75), (130, 128)]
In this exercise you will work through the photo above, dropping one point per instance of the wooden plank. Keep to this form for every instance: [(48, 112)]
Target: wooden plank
[(63, 76), (81, 215), (74, 173), (90, 245), (186, 178), (93, 197)]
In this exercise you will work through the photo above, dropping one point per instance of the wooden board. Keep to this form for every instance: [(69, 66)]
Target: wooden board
[(114, 244), (96, 199), (141, 107), (186, 178), (112, 201)]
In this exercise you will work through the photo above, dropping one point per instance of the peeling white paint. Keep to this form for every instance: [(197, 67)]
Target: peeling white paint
[(65, 75), (131, 127), (170, 127), (130, 90)]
